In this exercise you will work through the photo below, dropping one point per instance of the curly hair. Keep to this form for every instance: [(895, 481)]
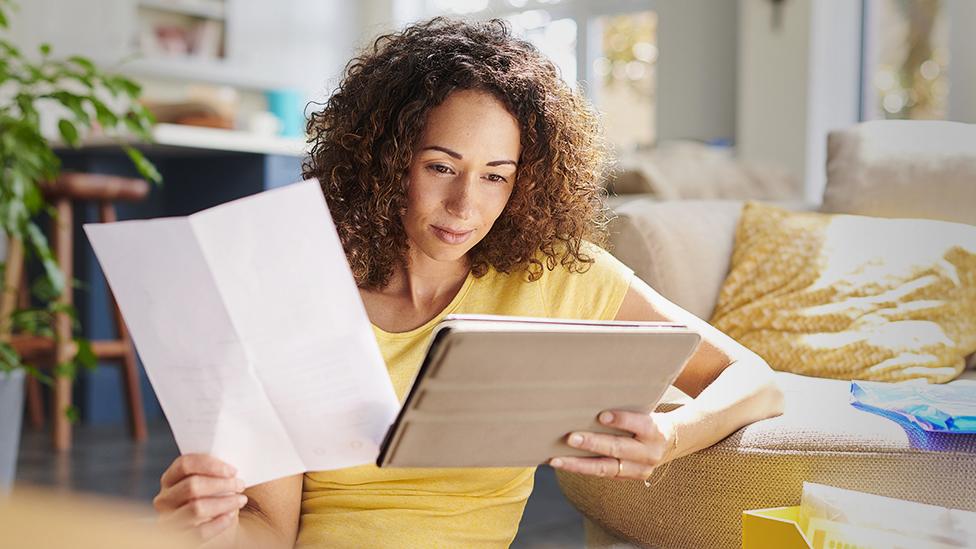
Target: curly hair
[(364, 138)]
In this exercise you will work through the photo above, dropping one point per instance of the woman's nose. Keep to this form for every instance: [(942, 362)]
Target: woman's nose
[(460, 203)]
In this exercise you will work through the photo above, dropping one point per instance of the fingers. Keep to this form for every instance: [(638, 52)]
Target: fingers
[(640, 424), (603, 467), (195, 464), (195, 487), (210, 529), (616, 446), (200, 511)]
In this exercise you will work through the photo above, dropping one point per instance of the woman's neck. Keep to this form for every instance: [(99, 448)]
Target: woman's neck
[(424, 282)]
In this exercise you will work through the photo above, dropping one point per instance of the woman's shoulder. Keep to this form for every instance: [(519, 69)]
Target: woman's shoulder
[(588, 256), (584, 289)]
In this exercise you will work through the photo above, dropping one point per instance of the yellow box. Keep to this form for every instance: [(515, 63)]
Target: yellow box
[(779, 528), (775, 528)]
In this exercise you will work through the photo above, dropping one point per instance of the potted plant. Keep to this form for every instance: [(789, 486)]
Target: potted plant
[(81, 98)]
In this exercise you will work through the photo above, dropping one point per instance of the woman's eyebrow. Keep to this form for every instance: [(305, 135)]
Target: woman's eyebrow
[(459, 156)]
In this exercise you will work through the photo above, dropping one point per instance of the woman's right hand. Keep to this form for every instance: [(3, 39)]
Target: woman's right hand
[(201, 494)]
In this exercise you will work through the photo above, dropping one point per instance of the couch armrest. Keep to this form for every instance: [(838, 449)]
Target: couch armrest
[(903, 168), (680, 248)]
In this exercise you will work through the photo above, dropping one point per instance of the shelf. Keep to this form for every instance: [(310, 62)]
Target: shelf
[(175, 136), (207, 10), (226, 140), (211, 71)]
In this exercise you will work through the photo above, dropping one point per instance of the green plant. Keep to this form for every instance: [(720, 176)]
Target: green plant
[(83, 98)]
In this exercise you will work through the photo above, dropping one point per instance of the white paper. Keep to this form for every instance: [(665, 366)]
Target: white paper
[(249, 324)]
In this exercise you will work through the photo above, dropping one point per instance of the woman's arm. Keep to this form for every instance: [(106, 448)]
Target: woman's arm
[(731, 386), (270, 518), (199, 494)]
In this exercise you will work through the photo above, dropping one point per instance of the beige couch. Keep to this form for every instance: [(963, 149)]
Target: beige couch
[(682, 248)]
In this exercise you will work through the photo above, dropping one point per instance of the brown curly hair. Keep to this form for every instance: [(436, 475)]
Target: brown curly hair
[(363, 141)]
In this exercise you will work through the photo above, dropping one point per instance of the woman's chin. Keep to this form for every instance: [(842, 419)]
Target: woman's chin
[(441, 251)]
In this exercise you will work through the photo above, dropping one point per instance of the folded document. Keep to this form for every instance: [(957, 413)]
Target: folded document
[(268, 364)]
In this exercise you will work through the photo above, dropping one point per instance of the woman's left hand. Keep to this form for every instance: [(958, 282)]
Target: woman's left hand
[(621, 456)]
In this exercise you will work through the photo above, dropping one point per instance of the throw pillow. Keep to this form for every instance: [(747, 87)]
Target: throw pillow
[(903, 168), (852, 297)]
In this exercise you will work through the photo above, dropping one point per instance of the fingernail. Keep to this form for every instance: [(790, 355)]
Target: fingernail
[(241, 500), (575, 439), (606, 417), (556, 462), (240, 485)]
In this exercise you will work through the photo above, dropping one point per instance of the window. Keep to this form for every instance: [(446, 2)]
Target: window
[(622, 86), (607, 48), (908, 60)]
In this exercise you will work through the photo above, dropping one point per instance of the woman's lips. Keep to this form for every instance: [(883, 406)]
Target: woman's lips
[(450, 237)]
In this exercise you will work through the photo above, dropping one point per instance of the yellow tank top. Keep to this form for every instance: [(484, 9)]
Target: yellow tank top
[(367, 506)]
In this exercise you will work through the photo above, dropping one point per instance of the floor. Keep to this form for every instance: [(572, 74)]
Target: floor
[(104, 461)]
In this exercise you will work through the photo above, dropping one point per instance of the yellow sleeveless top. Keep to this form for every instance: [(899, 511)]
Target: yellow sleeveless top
[(367, 506)]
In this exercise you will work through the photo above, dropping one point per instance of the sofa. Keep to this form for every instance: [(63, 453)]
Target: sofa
[(682, 249)]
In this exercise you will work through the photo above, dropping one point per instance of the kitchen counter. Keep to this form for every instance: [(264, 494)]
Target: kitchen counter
[(175, 138)]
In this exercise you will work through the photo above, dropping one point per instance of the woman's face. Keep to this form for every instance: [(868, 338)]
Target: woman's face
[(461, 176)]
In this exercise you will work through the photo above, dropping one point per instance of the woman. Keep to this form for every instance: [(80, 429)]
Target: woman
[(462, 176)]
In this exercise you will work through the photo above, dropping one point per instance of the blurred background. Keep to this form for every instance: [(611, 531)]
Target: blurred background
[(699, 98), (765, 79)]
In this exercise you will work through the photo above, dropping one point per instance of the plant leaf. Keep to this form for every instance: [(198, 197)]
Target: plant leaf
[(66, 369), (85, 356), (118, 84), (104, 115), (68, 132), (45, 49), (11, 50), (145, 167), (9, 358), (73, 103), (39, 375), (82, 62), (40, 246), (72, 413)]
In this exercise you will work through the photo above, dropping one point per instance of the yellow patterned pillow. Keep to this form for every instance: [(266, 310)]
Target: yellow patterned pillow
[(852, 297)]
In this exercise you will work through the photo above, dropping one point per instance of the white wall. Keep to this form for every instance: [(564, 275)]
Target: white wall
[(796, 83), (773, 66), (301, 44), (962, 60), (834, 79), (696, 69)]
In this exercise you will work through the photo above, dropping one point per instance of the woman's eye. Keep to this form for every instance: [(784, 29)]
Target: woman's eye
[(440, 168), (494, 177)]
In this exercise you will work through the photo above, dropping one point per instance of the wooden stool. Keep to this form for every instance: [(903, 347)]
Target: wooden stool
[(68, 188)]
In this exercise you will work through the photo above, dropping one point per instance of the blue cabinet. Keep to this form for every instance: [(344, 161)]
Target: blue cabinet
[(193, 179)]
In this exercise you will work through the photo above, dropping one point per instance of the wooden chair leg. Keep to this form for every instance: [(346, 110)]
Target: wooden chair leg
[(35, 399), (130, 368), (35, 404), (62, 324), (133, 395)]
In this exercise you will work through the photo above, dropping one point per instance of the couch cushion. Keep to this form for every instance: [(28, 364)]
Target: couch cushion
[(697, 501), (680, 248), (852, 297), (683, 170), (903, 168)]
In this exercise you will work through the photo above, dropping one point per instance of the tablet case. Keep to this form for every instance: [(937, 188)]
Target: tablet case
[(499, 391)]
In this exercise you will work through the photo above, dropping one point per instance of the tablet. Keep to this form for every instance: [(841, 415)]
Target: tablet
[(502, 391)]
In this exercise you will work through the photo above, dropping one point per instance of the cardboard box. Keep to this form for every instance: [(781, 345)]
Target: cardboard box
[(774, 528)]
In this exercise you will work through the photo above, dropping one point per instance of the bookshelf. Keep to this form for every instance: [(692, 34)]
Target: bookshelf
[(207, 9), (181, 29)]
